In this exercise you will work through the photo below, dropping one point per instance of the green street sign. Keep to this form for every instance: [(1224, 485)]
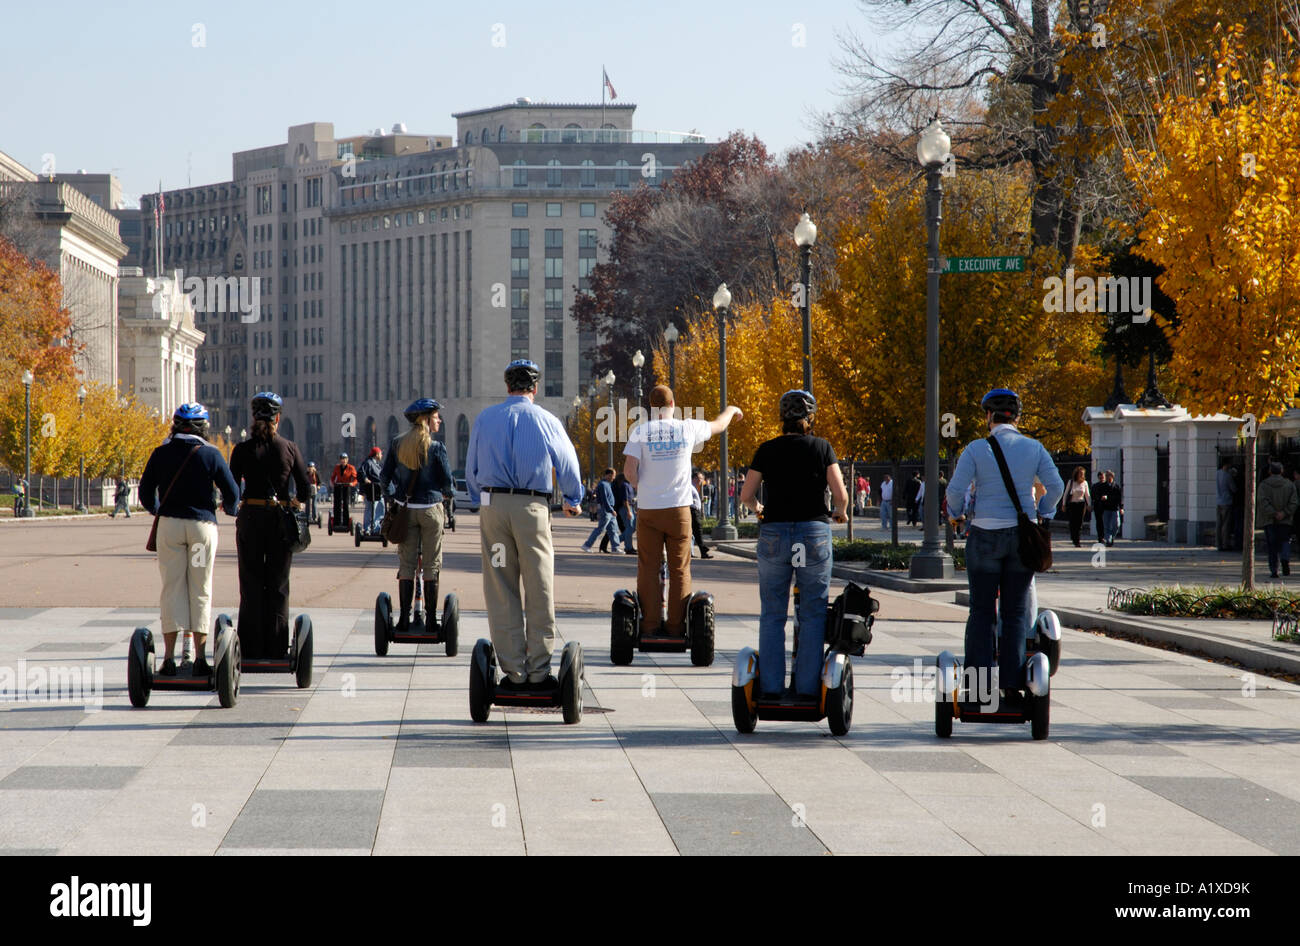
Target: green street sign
[(983, 264)]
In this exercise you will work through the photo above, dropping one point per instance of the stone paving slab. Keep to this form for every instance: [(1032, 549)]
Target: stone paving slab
[(379, 757)]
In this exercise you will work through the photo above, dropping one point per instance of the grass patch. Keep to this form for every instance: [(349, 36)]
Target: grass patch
[(1202, 601), (884, 556)]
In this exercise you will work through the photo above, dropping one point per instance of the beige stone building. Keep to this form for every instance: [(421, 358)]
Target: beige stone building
[(158, 340)]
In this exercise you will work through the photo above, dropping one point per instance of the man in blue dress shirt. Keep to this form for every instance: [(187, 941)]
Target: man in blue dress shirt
[(513, 449)]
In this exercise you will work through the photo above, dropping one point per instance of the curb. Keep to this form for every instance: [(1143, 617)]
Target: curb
[(1263, 656), (72, 517), (891, 581)]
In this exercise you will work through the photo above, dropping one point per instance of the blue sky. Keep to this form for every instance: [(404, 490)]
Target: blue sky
[(127, 90)]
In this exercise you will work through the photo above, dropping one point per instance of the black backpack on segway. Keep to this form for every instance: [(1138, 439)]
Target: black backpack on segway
[(848, 632)]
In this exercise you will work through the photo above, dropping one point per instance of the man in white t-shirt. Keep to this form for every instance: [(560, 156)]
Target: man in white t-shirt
[(658, 464)]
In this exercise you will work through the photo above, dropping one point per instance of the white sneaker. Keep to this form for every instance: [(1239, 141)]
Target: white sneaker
[(588, 548)]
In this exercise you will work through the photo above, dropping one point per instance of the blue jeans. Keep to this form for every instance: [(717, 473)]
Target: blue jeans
[(374, 515), (606, 522), (1110, 523), (629, 528), (1277, 537), (999, 588), (886, 513), (777, 557)]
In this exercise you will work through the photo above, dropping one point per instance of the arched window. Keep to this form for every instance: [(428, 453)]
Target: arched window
[(462, 441), (588, 173), (442, 180), (372, 433), (620, 173), (483, 137), (501, 134), (553, 172), (392, 429), (455, 176), (570, 133), (286, 428), (469, 137), (521, 173)]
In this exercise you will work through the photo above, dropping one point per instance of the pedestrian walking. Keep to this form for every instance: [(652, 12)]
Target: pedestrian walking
[(1077, 503), (416, 474), (313, 477), (1114, 509), (1099, 490), (272, 475), (658, 465), (887, 502), (518, 453), (1276, 509), (1225, 489), (909, 495), (794, 541), (607, 526), (697, 522), (122, 499), (999, 581), (179, 486)]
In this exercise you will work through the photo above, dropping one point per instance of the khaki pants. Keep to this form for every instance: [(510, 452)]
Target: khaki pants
[(186, 550), (655, 530), (423, 533), (515, 532)]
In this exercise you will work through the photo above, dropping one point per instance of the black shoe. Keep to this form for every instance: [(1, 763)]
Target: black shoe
[(201, 668), (505, 683), (1286, 568), (704, 554), (629, 551), (168, 668), (549, 683)]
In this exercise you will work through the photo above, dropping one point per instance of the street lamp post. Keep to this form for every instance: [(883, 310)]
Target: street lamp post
[(805, 235), (591, 416), (80, 505), (573, 423), (670, 336), (609, 379), (724, 531), (28, 511), (638, 360), (931, 561)]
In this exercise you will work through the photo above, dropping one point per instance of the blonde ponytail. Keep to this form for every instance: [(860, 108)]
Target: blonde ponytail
[(413, 447)]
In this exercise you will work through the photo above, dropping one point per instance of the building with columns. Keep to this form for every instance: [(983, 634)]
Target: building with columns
[(158, 340), (391, 266)]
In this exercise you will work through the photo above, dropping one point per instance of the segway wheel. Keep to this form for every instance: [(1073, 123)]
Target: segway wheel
[(746, 719), (356, 536), (228, 668), (480, 687), (451, 625), (383, 623), (942, 716), (1040, 709), (839, 702), (385, 541), (571, 671), (622, 635), (302, 631), (329, 528), (702, 635), (139, 667)]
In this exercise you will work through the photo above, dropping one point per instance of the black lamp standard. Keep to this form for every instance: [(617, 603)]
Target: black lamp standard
[(805, 235), (609, 379), (591, 416), (80, 505), (931, 561), (28, 511), (724, 531), (670, 336), (638, 360)]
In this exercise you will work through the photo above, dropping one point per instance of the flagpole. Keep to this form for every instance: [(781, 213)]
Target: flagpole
[(602, 99)]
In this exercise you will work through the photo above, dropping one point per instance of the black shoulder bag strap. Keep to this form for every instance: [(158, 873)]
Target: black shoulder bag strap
[(1035, 540), (1006, 473)]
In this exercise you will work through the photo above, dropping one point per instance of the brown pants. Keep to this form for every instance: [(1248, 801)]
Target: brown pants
[(655, 529)]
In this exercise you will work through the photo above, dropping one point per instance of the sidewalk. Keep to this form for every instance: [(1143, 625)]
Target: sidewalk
[(1076, 589)]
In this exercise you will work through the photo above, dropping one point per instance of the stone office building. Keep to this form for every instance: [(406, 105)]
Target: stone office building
[(392, 266)]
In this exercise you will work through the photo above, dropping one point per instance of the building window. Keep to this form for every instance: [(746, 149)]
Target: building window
[(519, 267), (553, 172), (621, 174), (519, 298), (554, 209), (585, 265), (519, 238), (519, 210), (588, 178), (586, 239), (501, 133), (555, 238), (587, 209), (554, 298), (521, 174), (555, 267), (554, 374)]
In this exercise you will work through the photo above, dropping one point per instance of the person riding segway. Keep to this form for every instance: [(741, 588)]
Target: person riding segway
[(517, 454), (343, 479), (1003, 467), (658, 465), (313, 477), (177, 486), (417, 476), (267, 464)]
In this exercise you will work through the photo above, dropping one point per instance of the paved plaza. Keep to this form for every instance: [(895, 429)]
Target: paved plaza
[(1150, 752)]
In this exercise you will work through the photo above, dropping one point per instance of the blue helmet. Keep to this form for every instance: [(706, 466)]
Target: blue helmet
[(424, 405), (266, 404), (522, 375), (797, 404), (1001, 401), (191, 412)]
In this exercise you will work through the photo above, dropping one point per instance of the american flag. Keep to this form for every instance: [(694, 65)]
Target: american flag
[(609, 85)]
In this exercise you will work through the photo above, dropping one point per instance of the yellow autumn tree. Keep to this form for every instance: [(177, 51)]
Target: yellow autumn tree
[(1221, 180)]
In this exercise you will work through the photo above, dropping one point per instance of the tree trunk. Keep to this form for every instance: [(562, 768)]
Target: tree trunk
[(1248, 520), (853, 496)]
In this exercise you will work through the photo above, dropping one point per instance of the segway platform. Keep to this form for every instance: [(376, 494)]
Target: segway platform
[(485, 690), (421, 630), (848, 632), (625, 635), (359, 536), (1031, 704), (142, 678), (299, 660)]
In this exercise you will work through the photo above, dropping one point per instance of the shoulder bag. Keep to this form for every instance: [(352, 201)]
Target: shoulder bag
[(294, 530), (152, 544), (393, 528), (1035, 536)]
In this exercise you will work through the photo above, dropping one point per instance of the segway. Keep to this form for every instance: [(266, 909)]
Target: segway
[(360, 536), (625, 634), (848, 632), (298, 661), (485, 691), (340, 520), (422, 629), (1031, 704), (223, 670)]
